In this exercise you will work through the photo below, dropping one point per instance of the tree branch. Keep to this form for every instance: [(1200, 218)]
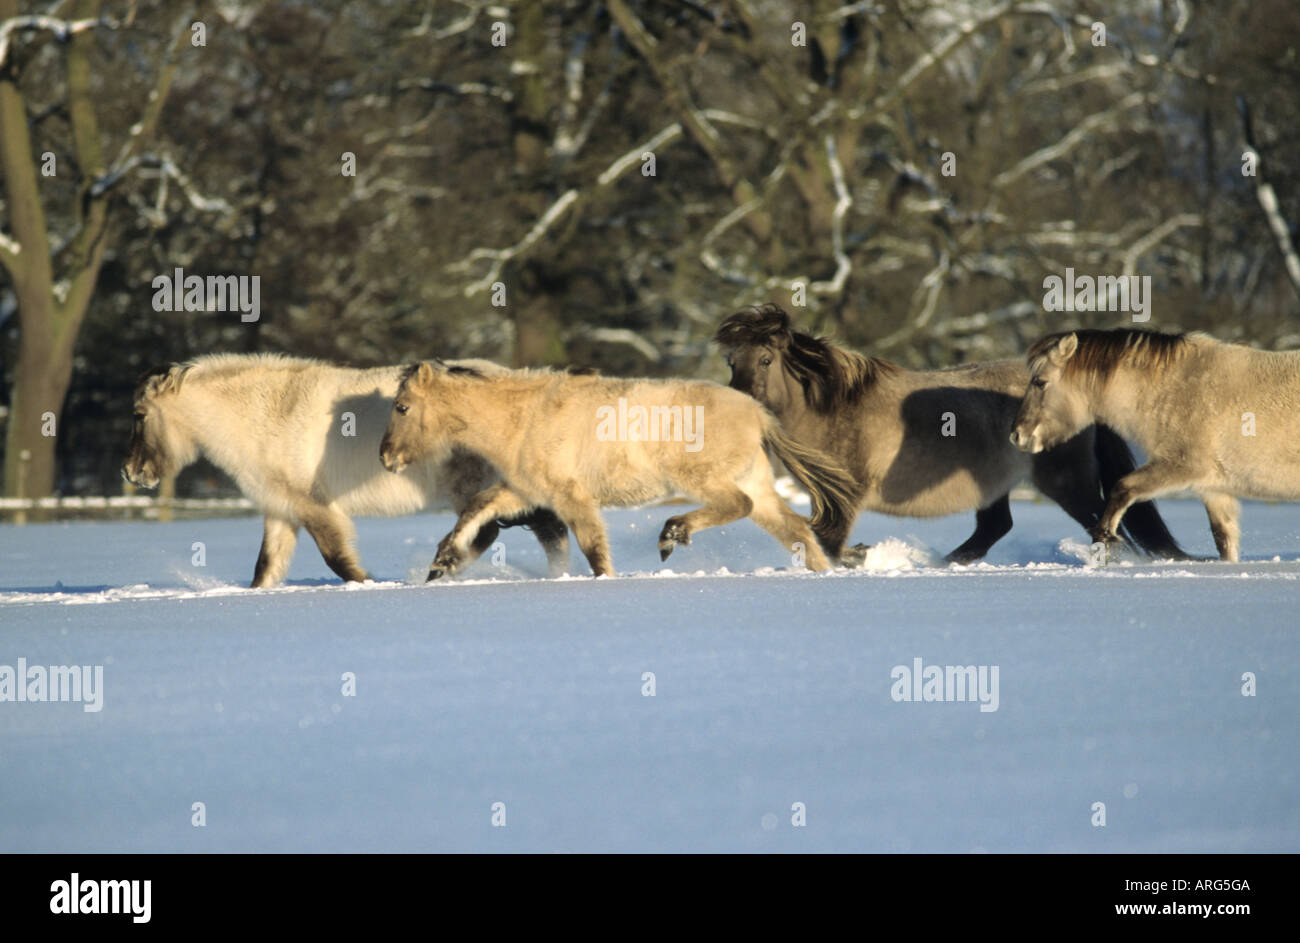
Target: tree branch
[(1077, 135), (63, 30), (1155, 237), (1268, 202)]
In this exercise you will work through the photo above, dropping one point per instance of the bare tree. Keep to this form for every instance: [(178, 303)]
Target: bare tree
[(54, 278)]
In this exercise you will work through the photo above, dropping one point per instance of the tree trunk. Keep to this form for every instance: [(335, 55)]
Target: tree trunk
[(41, 378), (29, 455), (47, 326), (538, 337)]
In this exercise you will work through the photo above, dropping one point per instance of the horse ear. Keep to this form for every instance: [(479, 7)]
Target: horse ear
[(423, 374), (165, 381), (1066, 348)]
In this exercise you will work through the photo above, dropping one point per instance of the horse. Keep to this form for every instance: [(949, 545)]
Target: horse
[(924, 443), (580, 443), (1221, 420), (299, 438)]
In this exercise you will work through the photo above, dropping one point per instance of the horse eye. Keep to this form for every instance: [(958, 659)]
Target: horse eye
[(401, 409), (766, 361), (1039, 382)]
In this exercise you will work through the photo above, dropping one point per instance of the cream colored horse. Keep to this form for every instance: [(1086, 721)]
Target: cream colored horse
[(1221, 420), (300, 438), (577, 443)]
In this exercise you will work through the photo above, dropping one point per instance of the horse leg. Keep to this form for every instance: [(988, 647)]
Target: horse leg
[(485, 538), (991, 525), (279, 537), (552, 534), (1146, 529), (1151, 480), (775, 516), (1069, 475), (333, 532), (1224, 511), (721, 507), (583, 518), (855, 555), (479, 518), (549, 530), (832, 536), (1081, 473)]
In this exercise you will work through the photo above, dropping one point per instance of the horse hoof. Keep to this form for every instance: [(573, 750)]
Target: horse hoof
[(855, 555), (1103, 548), (1100, 535), (674, 533), (435, 572), (447, 560)]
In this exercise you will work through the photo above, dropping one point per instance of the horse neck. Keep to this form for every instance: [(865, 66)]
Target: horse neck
[(796, 410), (484, 406), (198, 413), (802, 419), (1121, 400), (207, 408)]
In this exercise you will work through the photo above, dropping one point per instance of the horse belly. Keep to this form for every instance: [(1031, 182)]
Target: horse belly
[(624, 474), (632, 492), (1279, 483), (955, 493), (1266, 470)]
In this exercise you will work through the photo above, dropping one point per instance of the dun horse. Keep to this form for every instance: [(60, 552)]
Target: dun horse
[(299, 438), (577, 443), (1221, 420), (924, 443)]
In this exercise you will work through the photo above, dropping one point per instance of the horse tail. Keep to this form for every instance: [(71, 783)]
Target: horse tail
[(1144, 526), (832, 489)]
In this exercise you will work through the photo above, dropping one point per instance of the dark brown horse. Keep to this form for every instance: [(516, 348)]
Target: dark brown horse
[(925, 443)]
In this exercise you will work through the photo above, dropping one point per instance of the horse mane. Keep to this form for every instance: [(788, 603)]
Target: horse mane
[(458, 370), (1100, 352), (831, 376), (226, 363)]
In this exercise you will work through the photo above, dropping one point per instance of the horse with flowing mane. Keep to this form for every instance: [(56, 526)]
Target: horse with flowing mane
[(925, 443)]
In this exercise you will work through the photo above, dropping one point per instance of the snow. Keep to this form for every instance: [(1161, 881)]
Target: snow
[(1120, 685)]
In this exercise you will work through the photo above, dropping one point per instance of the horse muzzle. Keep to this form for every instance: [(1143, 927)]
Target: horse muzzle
[(390, 461), (1026, 443), (138, 478)]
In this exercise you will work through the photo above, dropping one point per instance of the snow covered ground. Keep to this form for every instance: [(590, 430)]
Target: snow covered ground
[(1120, 685)]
